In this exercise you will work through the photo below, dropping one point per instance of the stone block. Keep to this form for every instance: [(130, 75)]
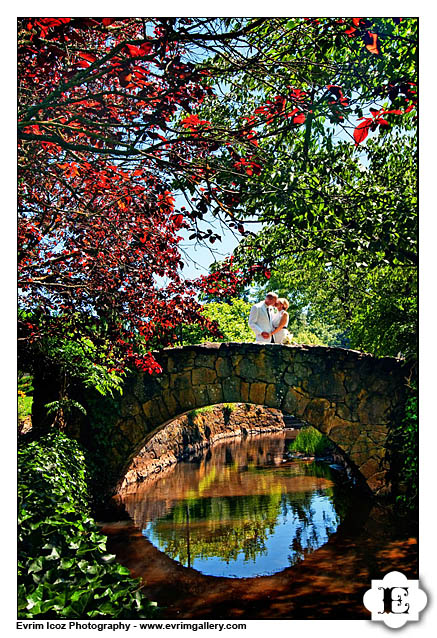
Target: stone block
[(378, 384), (343, 411), (363, 448), (231, 390), (165, 413), (202, 376), (334, 421), (334, 384), (344, 434), (223, 367), (377, 434), (245, 391), (186, 399), (169, 364), (275, 394), (180, 381), (352, 400), (181, 361), (215, 393), (261, 368), (247, 369), (201, 395), (152, 412), (302, 371), (138, 385), (171, 404), (373, 408), (206, 360), (379, 484), (129, 406), (371, 467), (132, 430), (257, 393), (295, 402), (319, 413), (352, 381), (291, 379), (277, 360)]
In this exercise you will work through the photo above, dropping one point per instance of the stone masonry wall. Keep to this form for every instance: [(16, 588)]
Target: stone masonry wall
[(195, 431), (352, 397)]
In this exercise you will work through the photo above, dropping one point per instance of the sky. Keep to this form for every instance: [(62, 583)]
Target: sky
[(198, 257)]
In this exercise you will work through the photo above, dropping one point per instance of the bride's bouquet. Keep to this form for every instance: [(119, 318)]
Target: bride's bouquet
[(287, 340)]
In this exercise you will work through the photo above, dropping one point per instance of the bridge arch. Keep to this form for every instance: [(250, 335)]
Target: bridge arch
[(352, 397)]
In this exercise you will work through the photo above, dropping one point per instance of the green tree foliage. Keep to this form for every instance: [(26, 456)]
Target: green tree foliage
[(64, 568), (25, 390), (231, 319), (317, 187), (336, 189), (72, 358), (349, 304), (384, 321)]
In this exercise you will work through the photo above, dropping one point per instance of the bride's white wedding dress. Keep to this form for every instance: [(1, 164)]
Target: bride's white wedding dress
[(279, 336)]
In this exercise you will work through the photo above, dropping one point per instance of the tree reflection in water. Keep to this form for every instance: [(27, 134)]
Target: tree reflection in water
[(239, 531), (240, 511)]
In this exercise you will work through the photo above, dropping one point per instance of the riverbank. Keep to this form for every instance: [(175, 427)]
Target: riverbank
[(193, 432)]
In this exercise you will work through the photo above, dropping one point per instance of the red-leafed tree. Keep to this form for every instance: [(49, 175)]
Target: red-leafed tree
[(99, 155)]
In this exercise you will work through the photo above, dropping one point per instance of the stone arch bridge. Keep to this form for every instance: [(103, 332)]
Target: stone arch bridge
[(352, 397)]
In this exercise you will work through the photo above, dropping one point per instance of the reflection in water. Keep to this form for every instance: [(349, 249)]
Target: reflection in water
[(328, 584), (239, 511)]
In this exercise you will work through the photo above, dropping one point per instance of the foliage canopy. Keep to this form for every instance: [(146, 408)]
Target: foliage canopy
[(306, 125)]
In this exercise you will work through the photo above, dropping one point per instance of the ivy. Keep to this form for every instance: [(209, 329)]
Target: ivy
[(64, 568), (406, 441)]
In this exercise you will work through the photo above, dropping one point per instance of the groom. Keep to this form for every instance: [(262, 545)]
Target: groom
[(260, 318)]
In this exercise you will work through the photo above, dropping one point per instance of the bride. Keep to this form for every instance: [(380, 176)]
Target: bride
[(280, 321)]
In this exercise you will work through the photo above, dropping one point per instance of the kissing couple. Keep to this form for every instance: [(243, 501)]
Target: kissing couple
[(269, 320)]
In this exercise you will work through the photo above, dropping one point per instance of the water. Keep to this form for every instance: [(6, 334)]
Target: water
[(236, 532), (240, 511)]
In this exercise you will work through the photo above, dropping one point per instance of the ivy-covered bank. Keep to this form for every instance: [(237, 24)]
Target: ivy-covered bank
[(64, 569), (405, 441)]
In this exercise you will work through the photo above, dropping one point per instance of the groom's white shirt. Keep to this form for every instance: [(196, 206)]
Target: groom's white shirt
[(260, 320)]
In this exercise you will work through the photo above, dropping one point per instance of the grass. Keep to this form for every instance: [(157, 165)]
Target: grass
[(208, 408), (227, 407)]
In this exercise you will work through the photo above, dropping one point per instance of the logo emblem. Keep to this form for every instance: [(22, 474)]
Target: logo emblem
[(395, 600)]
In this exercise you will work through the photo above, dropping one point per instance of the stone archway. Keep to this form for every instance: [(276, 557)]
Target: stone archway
[(352, 397)]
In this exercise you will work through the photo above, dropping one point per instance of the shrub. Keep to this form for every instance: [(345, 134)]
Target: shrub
[(64, 569), (310, 441)]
